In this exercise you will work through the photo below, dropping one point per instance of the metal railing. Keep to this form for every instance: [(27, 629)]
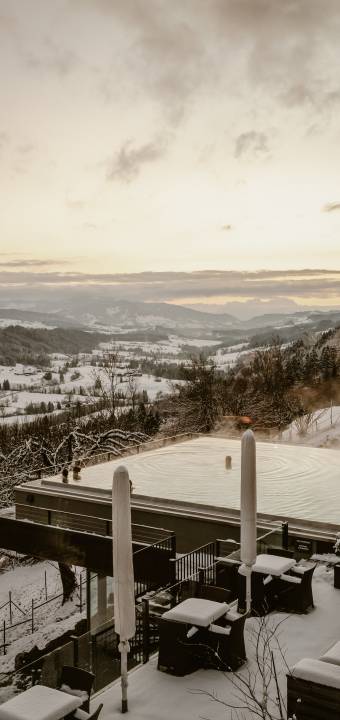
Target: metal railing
[(186, 565), (147, 534)]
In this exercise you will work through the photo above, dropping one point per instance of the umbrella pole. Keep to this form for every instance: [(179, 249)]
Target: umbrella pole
[(124, 649), (248, 571)]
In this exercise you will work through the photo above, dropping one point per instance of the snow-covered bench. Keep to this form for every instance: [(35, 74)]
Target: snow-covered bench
[(313, 687)]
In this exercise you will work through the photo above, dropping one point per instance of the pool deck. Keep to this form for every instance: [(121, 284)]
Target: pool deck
[(154, 695), (293, 481)]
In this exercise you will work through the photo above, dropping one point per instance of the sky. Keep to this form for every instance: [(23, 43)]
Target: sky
[(197, 137)]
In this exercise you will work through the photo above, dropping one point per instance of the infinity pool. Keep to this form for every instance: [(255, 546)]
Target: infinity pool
[(295, 481)]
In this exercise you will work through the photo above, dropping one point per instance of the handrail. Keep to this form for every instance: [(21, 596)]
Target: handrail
[(137, 526)]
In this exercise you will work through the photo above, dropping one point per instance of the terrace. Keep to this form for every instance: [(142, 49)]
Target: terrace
[(154, 695), (84, 506)]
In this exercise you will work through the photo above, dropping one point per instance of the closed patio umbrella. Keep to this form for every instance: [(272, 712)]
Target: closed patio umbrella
[(123, 579), (248, 509)]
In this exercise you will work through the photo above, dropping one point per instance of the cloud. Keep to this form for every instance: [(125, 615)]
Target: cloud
[(251, 142), (183, 286), (25, 149), (29, 263), (76, 204), (330, 207), (225, 228), (4, 139), (181, 49), (128, 162), (51, 57)]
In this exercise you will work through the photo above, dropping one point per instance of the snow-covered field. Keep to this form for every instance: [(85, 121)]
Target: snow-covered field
[(73, 378)]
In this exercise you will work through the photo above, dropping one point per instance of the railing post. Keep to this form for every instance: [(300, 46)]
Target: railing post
[(88, 600), (10, 607), (173, 546), (4, 632), (285, 535), (146, 630), (32, 616), (218, 548), (172, 571)]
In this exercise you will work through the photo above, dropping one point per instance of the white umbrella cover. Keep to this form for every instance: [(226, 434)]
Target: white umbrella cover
[(248, 508), (123, 578)]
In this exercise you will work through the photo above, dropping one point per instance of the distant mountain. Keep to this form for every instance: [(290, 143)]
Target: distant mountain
[(31, 346), (32, 319), (98, 313)]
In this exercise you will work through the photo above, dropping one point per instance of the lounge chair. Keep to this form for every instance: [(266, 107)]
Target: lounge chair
[(76, 681)]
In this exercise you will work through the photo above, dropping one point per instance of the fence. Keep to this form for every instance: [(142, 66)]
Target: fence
[(189, 564), (98, 652), (31, 615)]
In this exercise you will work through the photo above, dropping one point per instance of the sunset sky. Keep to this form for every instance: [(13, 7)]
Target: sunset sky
[(180, 136)]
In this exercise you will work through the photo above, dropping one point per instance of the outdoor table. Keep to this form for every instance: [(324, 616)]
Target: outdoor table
[(273, 564), (187, 631), (39, 703), (196, 611)]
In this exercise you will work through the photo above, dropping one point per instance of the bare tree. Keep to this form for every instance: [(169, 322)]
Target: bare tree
[(305, 422), (256, 691), (107, 379)]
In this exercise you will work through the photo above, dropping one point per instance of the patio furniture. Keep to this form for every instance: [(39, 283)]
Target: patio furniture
[(337, 576), (226, 644), (260, 593), (182, 646), (39, 703), (82, 715), (282, 552), (213, 592), (313, 690), (74, 680), (269, 564), (227, 574), (293, 593)]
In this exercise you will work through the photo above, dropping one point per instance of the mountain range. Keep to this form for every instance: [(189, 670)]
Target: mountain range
[(101, 315)]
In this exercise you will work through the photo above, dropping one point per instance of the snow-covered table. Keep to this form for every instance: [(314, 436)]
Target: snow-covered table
[(39, 703), (196, 611), (273, 564)]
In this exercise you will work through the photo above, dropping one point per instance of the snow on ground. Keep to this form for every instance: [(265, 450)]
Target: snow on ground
[(152, 694), (318, 429), (225, 358), (27, 582), (31, 324), (16, 375)]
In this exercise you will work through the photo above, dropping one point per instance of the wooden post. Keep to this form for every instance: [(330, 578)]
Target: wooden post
[(10, 607), (32, 616), (45, 585)]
